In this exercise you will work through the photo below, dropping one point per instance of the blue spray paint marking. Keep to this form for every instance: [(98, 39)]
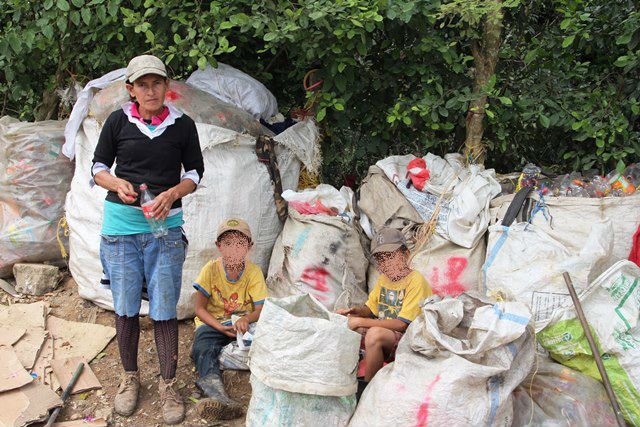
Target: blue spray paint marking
[(513, 349), (267, 409), (494, 397), (494, 252), (297, 247), (510, 316)]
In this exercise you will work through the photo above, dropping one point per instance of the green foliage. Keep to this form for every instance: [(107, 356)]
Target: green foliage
[(397, 74), (575, 100)]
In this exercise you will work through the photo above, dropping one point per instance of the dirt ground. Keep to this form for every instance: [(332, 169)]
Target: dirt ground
[(67, 304)]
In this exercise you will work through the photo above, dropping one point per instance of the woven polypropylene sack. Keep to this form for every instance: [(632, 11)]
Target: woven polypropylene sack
[(320, 255), (449, 268), (611, 304), (525, 264), (456, 365), (34, 180), (301, 347), (556, 396), (568, 220), (197, 104), (237, 88), (271, 407)]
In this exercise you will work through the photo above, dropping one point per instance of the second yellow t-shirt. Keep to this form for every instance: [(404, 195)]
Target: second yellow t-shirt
[(228, 298)]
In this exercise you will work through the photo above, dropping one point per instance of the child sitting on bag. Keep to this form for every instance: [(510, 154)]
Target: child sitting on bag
[(392, 305), (229, 285)]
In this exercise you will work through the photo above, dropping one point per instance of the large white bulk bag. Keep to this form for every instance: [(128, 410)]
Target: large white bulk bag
[(34, 179), (456, 365), (301, 347), (235, 183), (449, 268), (569, 220), (611, 305), (525, 264), (320, 254), (237, 88), (462, 194), (271, 407), (303, 363)]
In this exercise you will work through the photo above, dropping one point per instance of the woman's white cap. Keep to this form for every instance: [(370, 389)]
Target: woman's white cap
[(145, 64)]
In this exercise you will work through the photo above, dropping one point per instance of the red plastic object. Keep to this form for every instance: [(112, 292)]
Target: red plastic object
[(418, 173)]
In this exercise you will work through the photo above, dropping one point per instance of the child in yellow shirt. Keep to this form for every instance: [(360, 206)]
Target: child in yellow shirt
[(229, 285), (392, 305)]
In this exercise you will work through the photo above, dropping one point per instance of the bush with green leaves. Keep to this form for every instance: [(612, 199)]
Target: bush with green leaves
[(398, 75)]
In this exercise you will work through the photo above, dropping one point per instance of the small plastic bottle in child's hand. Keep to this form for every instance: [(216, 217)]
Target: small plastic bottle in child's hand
[(147, 200)]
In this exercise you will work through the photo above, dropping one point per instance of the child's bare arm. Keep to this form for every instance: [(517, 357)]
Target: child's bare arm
[(242, 324), (393, 324), (362, 311), (206, 317)]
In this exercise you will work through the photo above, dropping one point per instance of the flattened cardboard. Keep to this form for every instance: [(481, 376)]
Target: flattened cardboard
[(64, 370), (77, 339), (26, 405), (30, 317), (10, 336), (12, 405), (43, 362), (12, 374)]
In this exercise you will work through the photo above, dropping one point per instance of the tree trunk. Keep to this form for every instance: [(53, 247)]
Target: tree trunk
[(49, 108), (485, 57)]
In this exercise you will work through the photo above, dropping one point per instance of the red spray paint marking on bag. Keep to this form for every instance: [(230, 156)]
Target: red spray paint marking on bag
[(316, 277), (450, 283), (423, 411), (172, 96)]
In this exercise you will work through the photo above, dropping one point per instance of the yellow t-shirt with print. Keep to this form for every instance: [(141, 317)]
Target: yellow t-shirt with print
[(227, 298), (399, 300)]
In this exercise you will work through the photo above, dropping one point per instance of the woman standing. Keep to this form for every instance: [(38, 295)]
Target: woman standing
[(150, 142)]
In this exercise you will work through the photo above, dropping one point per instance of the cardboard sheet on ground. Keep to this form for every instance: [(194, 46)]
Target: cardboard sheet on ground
[(76, 339), (65, 368), (26, 405), (9, 336), (30, 317), (43, 363), (12, 374)]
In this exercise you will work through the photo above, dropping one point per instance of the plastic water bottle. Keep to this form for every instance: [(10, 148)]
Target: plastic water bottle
[(158, 228)]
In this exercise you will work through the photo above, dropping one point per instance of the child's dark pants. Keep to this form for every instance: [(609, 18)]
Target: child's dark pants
[(207, 345)]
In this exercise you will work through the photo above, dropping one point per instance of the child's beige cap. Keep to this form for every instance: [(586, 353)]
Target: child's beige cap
[(387, 240), (234, 224)]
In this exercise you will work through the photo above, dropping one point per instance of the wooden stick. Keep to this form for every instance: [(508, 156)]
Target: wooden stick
[(594, 350), (65, 394)]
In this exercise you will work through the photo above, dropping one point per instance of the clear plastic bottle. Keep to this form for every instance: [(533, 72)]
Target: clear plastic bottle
[(619, 182), (560, 186), (577, 189), (632, 173), (599, 187), (158, 228)]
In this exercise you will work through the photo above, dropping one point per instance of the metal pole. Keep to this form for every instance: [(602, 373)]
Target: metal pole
[(594, 350), (65, 395)]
